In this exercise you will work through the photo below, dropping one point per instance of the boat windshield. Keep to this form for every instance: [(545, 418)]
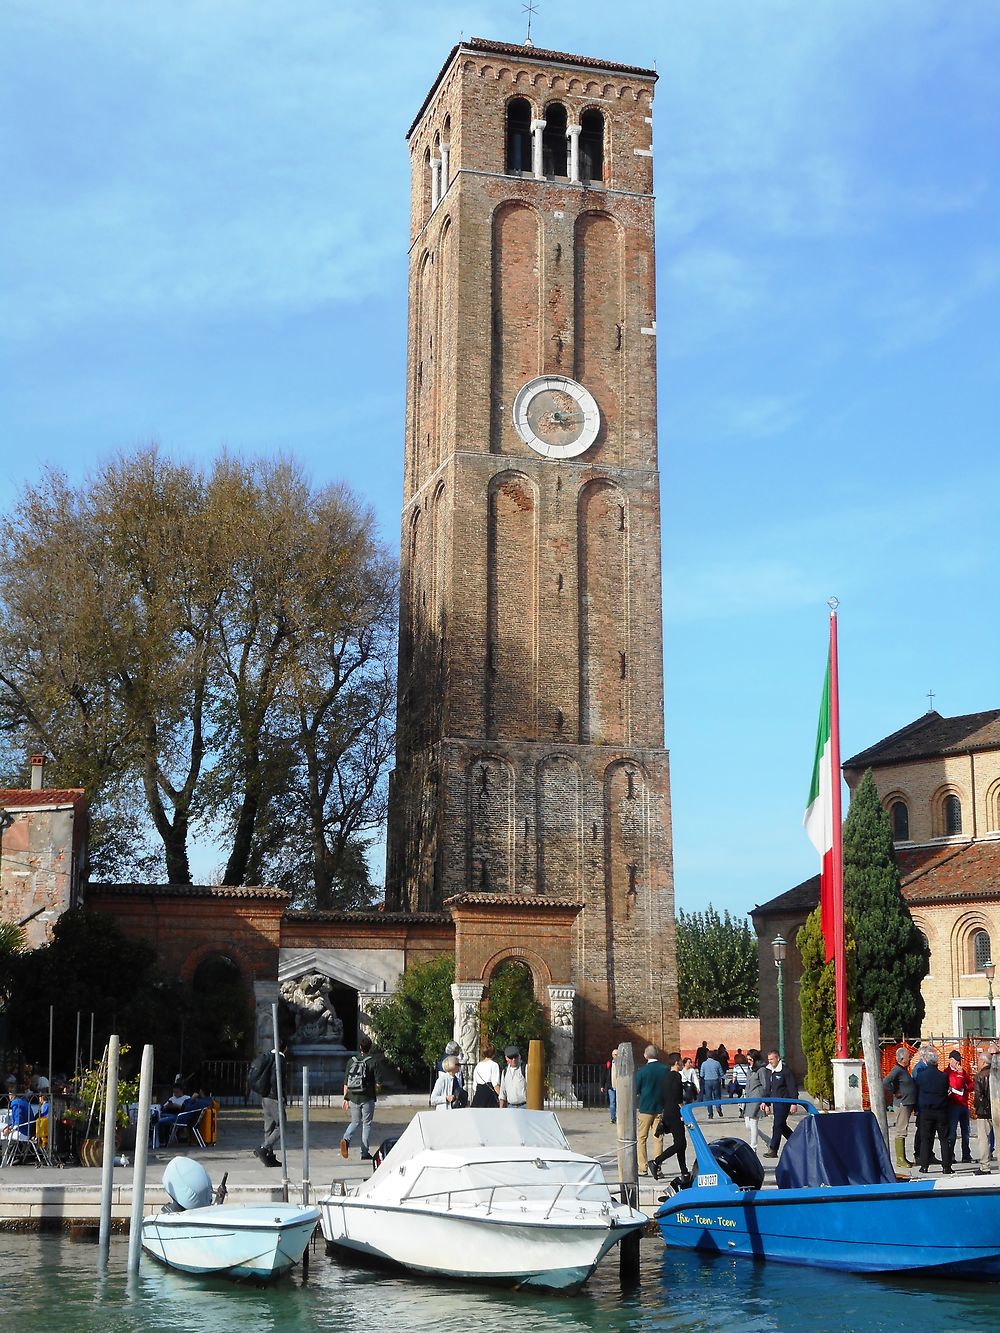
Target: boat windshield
[(494, 1182)]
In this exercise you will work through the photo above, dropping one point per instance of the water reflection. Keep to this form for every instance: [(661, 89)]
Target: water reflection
[(45, 1279)]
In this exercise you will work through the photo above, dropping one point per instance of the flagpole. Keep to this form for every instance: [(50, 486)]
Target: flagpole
[(839, 942)]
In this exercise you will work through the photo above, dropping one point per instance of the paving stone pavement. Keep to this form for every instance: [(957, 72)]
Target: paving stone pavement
[(29, 1194)]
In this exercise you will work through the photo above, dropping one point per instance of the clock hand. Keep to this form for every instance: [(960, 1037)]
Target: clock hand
[(562, 417)]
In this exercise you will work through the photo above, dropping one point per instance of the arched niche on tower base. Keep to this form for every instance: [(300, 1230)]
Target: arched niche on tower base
[(626, 837), (559, 822), (490, 806)]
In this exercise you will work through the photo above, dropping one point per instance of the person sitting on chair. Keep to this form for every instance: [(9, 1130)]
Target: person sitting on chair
[(177, 1102)]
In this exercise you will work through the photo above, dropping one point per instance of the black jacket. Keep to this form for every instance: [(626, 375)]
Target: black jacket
[(932, 1088), (781, 1083), (672, 1096)]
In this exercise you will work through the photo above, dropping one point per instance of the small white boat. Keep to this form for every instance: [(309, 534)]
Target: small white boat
[(259, 1241), (484, 1195)]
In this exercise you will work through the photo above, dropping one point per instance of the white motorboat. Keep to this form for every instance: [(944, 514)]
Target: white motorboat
[(259, 1241), (485, 1195)]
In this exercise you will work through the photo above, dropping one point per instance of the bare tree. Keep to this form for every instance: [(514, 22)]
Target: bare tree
[(221, 644)]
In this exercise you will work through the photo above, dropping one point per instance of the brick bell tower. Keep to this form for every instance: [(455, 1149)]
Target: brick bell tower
[(530, 762)]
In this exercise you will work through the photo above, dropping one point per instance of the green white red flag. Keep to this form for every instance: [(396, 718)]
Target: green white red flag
[(822, 821), (818, 819)]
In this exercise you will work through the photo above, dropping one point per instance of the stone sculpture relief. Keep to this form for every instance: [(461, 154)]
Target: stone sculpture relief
[(310, 997)]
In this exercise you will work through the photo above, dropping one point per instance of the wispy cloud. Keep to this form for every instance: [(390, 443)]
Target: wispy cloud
[(909, 313)]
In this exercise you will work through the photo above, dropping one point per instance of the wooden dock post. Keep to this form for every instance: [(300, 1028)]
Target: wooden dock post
[(141, 1152), (535, 1076), (873, 1068)]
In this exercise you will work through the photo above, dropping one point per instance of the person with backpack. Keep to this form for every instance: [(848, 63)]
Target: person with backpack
[(263, 1079), (359, 1098)]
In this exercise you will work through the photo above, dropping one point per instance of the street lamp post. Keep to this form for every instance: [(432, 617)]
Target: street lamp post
[(991, 970), (779, 946)]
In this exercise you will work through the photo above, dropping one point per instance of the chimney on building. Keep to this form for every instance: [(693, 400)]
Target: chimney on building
[(38, 762)]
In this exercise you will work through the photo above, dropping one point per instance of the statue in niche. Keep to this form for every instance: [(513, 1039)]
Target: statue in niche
[(310, 998), (562, 1037), (468, 1032)]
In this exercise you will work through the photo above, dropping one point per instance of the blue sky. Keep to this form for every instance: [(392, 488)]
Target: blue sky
[(204, 244)]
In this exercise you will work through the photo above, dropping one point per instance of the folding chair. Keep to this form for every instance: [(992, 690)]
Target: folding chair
[(187, 1120), (19, 1143)]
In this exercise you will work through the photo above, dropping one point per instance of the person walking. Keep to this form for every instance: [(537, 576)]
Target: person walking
[(648, 1103), (359, 1098), (779, 1081), (959, 1087), (900, 1086), (263, 1079), (670, 1118), (754, 1088), (932, 1108), (711, 1084), (982, 1106)]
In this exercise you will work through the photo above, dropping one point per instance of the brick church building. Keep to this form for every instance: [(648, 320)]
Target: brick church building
[(529, 807)]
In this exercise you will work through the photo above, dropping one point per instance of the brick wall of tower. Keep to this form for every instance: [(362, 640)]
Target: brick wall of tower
[(530, 755)]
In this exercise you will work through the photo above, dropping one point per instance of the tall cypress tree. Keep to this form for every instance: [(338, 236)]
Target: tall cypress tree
[(892, 955)]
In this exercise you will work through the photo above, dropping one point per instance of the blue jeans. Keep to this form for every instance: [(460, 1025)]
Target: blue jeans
[(613, 1104), (959, 1116), (710, 1089), (362, 1113)]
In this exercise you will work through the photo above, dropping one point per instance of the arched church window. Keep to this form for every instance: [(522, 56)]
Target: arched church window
[(981, 950), (592, 146), (554, 141), (952, 816), (518, 134), (899, 817)]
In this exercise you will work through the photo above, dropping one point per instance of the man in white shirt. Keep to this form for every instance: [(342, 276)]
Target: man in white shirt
[(513, 1089)]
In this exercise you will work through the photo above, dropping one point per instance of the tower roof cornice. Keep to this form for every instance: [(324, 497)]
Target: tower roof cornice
[(526, 55)]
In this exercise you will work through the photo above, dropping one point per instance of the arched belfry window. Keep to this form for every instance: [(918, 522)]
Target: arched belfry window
[(554, 141), (899, 817), (518, 135), (981, 950), (592, 146), (952, 816)]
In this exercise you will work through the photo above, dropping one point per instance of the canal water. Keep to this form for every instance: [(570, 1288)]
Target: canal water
[(52, 1283)]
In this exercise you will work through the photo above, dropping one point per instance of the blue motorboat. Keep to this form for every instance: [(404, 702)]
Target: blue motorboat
[(836, 1203)]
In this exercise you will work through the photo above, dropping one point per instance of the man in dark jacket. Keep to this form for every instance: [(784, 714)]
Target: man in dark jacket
[(779, 1081), (670, 1119), (932, 1107), (264, 1080)]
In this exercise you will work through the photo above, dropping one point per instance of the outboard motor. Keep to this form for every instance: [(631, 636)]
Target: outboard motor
[(739, 1161), (188, 1185)]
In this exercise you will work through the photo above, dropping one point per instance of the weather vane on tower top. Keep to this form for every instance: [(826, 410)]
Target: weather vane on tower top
[(529, 9)]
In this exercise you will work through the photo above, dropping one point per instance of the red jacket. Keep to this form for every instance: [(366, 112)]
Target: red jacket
[(959, 1087)]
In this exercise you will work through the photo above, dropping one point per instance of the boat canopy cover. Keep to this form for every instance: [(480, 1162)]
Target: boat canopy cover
[(478, 1128), (484, 1144), (844, 1148)]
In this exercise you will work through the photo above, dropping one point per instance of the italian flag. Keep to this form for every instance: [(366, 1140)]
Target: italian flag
[(818, 819)]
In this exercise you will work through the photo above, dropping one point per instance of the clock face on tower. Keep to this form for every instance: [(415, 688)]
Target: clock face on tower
[(557, 417)]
